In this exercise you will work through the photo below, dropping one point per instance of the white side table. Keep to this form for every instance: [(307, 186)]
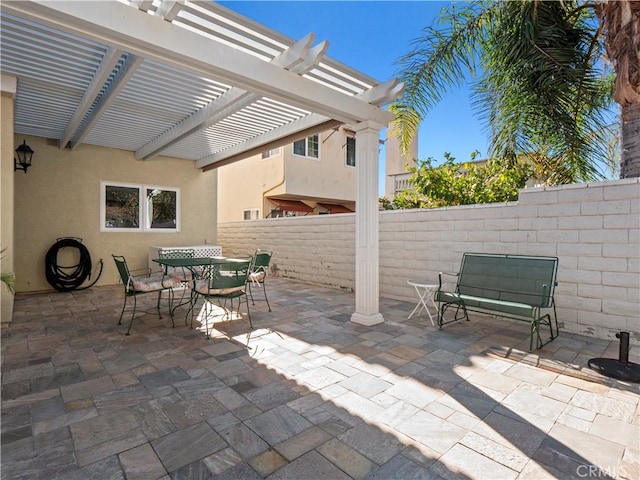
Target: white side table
[(425, 293)]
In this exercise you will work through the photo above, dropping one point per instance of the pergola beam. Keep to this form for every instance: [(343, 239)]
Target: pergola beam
[(169, 9), (299, 58), (303, 128), (127, 70), (147, 36), (383, 93), (91, 93), (288, 133)]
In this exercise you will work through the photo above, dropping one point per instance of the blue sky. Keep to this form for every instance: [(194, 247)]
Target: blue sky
[(371, 36)]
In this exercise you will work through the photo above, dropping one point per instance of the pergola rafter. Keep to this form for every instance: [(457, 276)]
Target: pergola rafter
[(298, 58)]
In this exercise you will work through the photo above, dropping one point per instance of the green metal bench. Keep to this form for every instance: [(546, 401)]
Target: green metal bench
[(512, 286)]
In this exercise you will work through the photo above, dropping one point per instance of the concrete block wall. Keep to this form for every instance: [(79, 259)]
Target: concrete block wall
[(316, 249), (594, 230)]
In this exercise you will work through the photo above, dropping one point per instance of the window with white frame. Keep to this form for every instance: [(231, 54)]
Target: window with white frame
[(270, 153), (251, 214), (350, 149), (307, 147), (128, 207)]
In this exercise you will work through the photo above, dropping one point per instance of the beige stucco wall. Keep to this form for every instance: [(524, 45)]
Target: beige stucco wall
[(243, 185), (60, 197), (327, 178), (6, 200), (594, 230)]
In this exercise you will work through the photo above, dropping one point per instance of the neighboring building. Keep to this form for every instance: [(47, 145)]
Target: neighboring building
[(397, 176), (312, 176)]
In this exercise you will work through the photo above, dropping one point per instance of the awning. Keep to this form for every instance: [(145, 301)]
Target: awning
[(291, 205), (332, 208)]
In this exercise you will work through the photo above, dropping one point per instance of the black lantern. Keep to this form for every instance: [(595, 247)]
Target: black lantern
[(23, 161)]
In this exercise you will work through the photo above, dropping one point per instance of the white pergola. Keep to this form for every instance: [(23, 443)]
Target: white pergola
[(191, 80)]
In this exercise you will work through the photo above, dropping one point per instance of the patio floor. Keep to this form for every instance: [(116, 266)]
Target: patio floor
[(306, 395)]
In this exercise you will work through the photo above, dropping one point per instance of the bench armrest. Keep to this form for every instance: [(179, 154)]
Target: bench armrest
[(441, 274)]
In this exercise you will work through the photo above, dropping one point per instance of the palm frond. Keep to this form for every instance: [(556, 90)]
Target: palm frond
[(441, 59), (541, 86)]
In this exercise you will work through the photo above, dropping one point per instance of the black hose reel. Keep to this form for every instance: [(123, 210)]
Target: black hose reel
[(68, 278)]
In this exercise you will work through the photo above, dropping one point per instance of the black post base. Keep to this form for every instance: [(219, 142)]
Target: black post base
[(610, 367)]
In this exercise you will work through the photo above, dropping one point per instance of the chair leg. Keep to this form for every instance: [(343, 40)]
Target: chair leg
[(133, 314), (173, 323), (228, 312), (192, 306), (248, 311), (264, 290), (124, 305), (158, 305), (206, 316), (251, 293), (193, 297), (209, 313), (170, 304)]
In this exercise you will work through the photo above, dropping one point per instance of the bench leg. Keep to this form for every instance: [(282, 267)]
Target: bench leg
[(535, 329), (445, 306)]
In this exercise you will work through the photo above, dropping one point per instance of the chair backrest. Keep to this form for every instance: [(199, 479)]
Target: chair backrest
[(177, 253), (261, 260), (123, 269), (231, 274)]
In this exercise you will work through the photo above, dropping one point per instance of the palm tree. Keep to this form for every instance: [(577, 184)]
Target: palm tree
[(621, 25), (541, 86)]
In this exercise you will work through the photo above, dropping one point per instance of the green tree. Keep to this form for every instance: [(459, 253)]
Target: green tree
[(539, 82), (454, 183)]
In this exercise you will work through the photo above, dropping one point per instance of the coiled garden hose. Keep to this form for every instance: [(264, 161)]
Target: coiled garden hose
[(68, 278)]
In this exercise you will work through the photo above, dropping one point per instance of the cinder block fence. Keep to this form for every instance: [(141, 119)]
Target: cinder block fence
[(593, 228)]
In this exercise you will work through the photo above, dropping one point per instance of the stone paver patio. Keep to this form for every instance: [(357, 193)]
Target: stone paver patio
[(306, 395)]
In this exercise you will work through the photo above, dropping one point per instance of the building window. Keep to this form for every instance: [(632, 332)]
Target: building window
[(270, 153), (278, 213), (351, 151), (251, 214), (307, 147), (127, 208)]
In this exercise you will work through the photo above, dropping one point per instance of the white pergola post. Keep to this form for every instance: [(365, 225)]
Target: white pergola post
[(367, 255)]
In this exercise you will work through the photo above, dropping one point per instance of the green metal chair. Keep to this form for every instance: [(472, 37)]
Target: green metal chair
[(222, 282), (258, 273), (139, 285)]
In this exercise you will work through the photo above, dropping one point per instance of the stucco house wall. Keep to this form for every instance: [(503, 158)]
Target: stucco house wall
[(60, 197), (244, 185), (593, 228)]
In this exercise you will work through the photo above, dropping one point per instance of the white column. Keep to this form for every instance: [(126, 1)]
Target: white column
[(367, 257)]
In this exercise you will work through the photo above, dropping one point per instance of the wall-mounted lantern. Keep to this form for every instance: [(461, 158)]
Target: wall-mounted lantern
[(24, 155)]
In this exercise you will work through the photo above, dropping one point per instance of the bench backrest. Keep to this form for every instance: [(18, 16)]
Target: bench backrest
[(515, 278)]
